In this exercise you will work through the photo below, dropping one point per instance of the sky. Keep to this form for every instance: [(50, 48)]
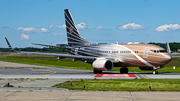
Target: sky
[(99, 21)]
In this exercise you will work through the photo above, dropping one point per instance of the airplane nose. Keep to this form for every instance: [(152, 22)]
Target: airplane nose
[(167, 58)]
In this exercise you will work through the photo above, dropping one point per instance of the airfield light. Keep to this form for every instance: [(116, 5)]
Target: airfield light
[(174, 67)]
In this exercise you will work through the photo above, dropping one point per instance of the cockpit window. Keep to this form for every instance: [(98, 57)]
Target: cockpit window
[(162, 50), (158, 51)]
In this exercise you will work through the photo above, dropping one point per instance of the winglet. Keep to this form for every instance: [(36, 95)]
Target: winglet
[(168, 48), (9, 45)]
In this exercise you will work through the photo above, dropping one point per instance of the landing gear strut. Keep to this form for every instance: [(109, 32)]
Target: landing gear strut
[(124, 70), (97, 71)]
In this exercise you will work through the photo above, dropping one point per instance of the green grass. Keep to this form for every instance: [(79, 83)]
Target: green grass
[(62, 64), (123, 85)]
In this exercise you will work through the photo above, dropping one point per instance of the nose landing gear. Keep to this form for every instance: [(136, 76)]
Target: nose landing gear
[(155, 72)]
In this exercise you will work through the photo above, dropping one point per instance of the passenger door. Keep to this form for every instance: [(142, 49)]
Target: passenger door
[(145, 54)]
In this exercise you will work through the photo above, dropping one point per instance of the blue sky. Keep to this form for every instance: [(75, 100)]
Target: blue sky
[(42, 21)]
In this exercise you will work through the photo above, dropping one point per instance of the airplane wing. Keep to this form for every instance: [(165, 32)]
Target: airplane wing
[(51, 54), (60, 55)]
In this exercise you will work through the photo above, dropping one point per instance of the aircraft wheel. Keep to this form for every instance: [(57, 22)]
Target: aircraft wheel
[(126, 70), (97, 71), (156, 72), (121, 70)]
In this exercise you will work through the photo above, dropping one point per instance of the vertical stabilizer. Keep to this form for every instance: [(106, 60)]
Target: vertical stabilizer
[(168, 48), (73, 36)]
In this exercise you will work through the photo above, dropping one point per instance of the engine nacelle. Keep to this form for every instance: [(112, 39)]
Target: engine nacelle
[(102, 64), (150, 68)]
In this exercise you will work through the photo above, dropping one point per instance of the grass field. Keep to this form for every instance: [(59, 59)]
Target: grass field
[(123, 85)]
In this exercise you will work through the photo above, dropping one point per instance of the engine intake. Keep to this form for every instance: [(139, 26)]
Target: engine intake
[(102, 64)]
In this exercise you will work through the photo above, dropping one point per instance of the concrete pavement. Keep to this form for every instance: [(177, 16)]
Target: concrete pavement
[(88, 96)]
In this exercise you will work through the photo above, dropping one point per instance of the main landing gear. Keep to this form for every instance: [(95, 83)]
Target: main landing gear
[(97, 71), (124, 70)]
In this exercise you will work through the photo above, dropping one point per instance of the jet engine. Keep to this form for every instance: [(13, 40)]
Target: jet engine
[(102, 64)]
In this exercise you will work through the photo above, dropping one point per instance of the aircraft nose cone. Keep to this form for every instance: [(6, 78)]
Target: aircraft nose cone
[(167, 58)]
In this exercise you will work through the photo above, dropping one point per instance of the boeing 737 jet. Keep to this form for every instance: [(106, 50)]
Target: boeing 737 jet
[(104, 57)]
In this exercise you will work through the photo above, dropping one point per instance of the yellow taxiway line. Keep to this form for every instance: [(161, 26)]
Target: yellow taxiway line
[(144, 76), (52, 72)]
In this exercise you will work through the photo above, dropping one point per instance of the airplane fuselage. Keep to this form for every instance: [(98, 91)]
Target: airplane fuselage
[(141, 55)]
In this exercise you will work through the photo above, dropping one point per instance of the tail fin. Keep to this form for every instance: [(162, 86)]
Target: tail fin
[(73, 36), (9, 45), (168, 48)]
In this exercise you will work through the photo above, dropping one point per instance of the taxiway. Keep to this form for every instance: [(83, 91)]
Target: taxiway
[(19, 70)]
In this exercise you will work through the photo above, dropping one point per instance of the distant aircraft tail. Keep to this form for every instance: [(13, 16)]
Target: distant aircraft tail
[(9, 45), (168, 48), (73, 36)]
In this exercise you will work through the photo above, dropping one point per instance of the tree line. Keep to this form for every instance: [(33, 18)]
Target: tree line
[(173, 45), (32, 49)]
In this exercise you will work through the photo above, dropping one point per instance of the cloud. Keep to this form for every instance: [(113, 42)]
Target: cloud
[(132, 26), (166, 27), (40, 30), (24, 36), (99, 27), (57, 34), (81, 26), (56, 26), (3, 27)]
